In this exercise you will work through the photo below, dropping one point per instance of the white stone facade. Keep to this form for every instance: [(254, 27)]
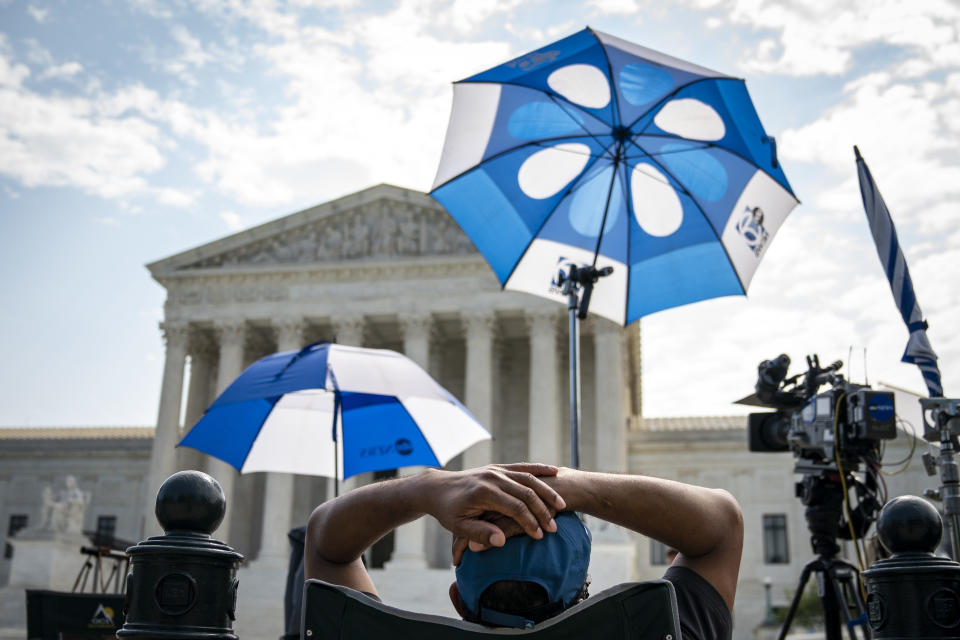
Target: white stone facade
[(109, 463), (388, 268)]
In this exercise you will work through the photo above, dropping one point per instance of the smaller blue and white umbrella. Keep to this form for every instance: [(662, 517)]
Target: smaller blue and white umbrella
[(336, 411)]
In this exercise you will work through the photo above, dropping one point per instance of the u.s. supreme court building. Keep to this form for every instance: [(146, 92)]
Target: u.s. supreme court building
[(388, 268)]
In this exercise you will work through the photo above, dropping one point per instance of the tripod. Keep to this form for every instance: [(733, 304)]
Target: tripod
[(941, 421), (837, 580)]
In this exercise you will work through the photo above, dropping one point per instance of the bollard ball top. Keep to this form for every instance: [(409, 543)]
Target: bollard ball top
[(190, 501), (909, 524)]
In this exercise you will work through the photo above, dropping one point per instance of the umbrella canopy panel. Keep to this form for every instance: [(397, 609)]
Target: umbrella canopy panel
[(594, 150)]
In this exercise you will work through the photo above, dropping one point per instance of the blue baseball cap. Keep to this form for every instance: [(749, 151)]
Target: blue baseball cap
[(557, 562)]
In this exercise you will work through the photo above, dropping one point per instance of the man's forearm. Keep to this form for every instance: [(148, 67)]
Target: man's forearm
[(704, 525), (340, 530), (691, 519)]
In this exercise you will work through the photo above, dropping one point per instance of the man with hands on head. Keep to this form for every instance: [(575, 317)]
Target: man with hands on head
[(505, 516)]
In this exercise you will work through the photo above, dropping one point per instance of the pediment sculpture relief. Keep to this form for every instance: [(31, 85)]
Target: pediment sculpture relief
[(379, 230)]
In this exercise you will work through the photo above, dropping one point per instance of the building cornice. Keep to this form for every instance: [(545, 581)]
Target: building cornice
[(76, 433), (392, 269)]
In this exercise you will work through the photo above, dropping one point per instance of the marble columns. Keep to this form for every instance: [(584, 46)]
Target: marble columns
[(610, 372), (408, 546), (479, 329), (278, 495), (230, 335), (163, 454), (203, 358), (544, 435)]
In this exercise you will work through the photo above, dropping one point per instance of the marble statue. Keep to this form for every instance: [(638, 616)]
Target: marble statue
[(75, 502), (66, 514)]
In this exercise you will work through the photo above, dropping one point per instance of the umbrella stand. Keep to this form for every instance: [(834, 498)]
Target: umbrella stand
[(579, 278)]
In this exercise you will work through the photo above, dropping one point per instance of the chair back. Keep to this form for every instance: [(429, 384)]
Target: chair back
[(634, 610)]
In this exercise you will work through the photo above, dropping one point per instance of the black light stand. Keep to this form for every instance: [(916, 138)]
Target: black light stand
[(941, 423), (837, 580), (573, 282)]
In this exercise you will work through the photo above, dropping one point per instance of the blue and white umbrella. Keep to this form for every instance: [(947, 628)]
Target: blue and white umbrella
[(336, 411), (596, 151)]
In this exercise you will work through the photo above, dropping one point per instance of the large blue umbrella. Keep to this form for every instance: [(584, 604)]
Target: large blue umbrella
[(336, 411), (595, 157), (596, 151)]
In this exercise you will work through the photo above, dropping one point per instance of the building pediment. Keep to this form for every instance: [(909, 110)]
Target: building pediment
[(377, 224)]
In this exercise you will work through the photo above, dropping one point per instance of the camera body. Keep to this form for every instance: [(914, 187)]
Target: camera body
[(847, 421)]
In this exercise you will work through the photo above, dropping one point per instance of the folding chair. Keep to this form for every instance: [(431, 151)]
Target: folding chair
[(634, 610)]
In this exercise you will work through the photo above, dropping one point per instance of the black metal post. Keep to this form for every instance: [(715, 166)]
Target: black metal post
[(572, 302), (183, 584), (913, 593), (577, 280)]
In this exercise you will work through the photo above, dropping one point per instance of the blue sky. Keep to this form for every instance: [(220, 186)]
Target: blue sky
[(130, 131)]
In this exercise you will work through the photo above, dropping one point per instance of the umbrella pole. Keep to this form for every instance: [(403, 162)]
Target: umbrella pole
[(572, 304), (579, 278), (336, 440), (585, 278)]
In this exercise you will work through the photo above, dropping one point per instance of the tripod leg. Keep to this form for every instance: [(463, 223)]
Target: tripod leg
[(84, 572), (804, 576), (848, 583), (840, 586), (829, 603)]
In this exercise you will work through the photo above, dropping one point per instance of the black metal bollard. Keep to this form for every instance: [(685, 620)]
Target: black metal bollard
[(182, 585), (912, 594)]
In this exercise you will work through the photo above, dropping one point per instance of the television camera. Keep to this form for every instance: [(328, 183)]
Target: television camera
[(847, 422), (831, 434)]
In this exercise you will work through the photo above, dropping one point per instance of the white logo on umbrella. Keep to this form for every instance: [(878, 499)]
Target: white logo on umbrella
[(750, 227)]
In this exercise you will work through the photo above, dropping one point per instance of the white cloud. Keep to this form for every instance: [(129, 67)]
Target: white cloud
[(233, 220), (615, 7), (65, 70), (154, 8), (38, 14), (12, 74), (820, 38), (339, 4), (37, 53), (365, 103), (175, 197), (54, 140), (195, 54), (900, 129), (466, 17)]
